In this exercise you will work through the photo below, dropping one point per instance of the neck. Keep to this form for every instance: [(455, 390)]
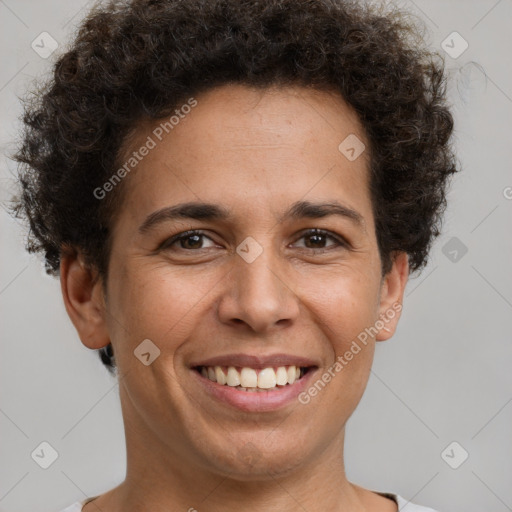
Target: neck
[(160, 475)]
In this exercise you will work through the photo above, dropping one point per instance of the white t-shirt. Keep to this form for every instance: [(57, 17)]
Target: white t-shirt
[(401, 502)]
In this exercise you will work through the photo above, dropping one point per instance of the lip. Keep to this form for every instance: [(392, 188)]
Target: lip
[(256, 361), (258, 401)]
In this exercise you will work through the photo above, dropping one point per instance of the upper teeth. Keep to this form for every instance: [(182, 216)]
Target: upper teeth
[(265, 378)]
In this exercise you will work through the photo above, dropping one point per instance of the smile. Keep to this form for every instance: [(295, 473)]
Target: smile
[(253, 379)]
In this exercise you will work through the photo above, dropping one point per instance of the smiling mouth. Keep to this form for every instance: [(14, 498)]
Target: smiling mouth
[(254, 379)]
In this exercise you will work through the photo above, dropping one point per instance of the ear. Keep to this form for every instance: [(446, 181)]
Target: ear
[(391, 296), (83, 298)]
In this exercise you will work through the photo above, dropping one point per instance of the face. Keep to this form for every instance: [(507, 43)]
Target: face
[(270, 282)]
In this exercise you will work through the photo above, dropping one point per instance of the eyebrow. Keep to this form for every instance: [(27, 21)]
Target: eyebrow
[(210, 211)]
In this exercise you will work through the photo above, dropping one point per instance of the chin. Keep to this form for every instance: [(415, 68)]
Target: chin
[(254, 459)]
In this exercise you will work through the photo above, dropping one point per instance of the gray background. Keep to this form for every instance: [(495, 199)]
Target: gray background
[(444, 377)]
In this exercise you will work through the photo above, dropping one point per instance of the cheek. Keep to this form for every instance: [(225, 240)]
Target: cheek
[(345, 303), (345, 316), (157, 303), (345, 309)]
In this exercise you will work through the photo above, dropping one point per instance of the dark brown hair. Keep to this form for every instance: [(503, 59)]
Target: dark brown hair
[(143, 58)]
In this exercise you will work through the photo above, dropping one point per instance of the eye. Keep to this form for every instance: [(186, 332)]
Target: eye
[(189, 240), (318, 237), (194, 240)]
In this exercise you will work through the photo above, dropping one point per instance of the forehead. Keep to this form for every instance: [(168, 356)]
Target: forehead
[(246, 146)]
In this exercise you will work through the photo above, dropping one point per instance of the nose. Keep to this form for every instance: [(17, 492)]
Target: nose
[(258, 295)]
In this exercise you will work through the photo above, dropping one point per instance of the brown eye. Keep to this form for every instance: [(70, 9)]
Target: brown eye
[(189, 241), (317, 238)]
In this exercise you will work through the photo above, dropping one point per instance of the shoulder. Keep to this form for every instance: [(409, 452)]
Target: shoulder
[(411, 507), (78, 505), (75, 507)]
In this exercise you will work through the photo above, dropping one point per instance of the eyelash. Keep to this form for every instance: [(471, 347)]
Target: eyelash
[(340, 242)]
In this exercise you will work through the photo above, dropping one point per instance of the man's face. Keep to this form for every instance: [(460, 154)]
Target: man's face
[(255, 289)]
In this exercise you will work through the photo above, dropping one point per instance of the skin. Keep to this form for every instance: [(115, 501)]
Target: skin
[(255, 152)]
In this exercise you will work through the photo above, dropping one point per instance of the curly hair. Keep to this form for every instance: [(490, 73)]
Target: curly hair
[(138, 59)]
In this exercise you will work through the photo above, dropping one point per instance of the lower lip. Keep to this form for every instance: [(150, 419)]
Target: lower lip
[(257, 401)]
